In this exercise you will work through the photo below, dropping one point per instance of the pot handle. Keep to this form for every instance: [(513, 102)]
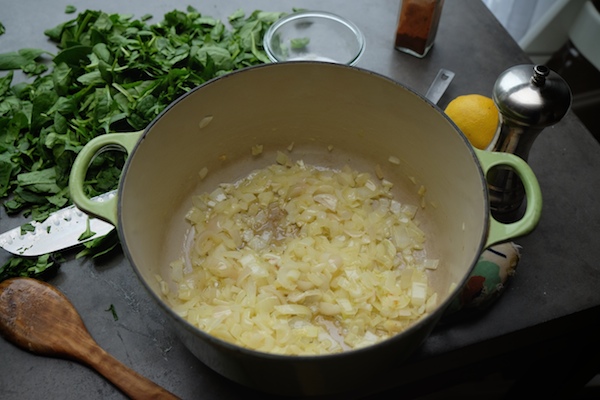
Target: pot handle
[(107, 209), (501, 232)]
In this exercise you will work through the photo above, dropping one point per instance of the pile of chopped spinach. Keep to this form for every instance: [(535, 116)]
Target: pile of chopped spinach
[(111, 73)]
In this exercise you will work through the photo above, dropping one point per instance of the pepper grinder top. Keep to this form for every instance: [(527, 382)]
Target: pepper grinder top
[(529, 99)]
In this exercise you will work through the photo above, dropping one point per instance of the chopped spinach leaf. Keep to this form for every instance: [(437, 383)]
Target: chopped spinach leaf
[(113, 311), (43, 267), (299, 43), (28, 227), (100, 246), (88, 233), (110, 73)]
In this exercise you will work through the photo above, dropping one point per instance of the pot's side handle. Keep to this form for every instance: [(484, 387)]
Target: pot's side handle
[(501, 232), (105, 210)]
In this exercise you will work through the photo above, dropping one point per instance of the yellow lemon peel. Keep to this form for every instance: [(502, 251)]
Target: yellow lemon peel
[(476, 116)]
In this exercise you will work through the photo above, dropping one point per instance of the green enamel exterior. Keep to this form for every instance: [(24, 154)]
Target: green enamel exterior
[(501, 232), (106, 210)]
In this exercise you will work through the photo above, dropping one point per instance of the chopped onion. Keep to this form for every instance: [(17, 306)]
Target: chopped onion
[(295, 259), (394, 160), (257, 149)]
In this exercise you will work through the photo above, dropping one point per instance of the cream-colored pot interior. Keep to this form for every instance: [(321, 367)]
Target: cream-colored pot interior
[(334, 115)]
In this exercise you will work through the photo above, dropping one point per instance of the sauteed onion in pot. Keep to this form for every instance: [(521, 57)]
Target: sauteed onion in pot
[(300, 260)]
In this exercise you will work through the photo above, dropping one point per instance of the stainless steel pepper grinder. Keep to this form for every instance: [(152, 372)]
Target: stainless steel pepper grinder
[(529, 99)]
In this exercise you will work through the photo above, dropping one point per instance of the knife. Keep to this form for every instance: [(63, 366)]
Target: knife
[(60, 231)]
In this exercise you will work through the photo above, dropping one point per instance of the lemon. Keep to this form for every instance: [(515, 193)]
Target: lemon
[(476, 116)]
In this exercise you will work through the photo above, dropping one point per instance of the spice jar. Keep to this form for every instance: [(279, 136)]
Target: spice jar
[(417, 26)]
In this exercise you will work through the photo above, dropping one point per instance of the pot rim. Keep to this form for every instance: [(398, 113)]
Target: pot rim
[(431, 319)]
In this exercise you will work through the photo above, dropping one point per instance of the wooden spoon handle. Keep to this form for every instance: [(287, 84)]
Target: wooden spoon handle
[(130, 382)]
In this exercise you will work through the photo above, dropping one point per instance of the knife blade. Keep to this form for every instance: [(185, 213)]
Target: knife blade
[(60, 231)]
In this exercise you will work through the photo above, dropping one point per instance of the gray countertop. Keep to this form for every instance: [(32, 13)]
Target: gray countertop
[(555, 289)]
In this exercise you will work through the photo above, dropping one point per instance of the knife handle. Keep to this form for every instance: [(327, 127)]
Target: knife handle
[(104, 210)]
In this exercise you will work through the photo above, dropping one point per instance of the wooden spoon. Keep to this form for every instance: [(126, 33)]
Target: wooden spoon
[(37, 317)]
